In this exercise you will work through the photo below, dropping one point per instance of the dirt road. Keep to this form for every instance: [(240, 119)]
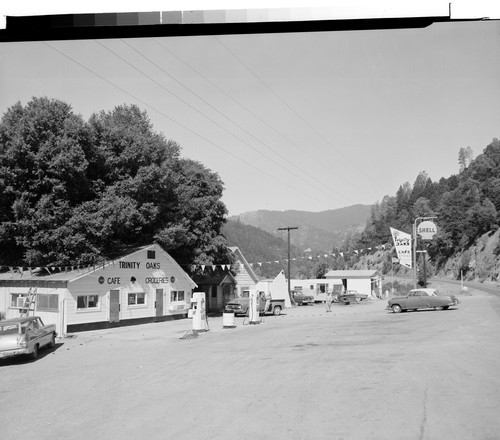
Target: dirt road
[(360, 372)]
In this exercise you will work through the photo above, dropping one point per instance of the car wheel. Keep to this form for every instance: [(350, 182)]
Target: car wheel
[(396, 308), (277, 311), (446, 307), (34, 353), (52, 342)]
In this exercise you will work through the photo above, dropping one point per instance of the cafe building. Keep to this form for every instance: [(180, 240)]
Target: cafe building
[(146, 285)]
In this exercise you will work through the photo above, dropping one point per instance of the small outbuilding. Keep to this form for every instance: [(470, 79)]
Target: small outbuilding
[(144, 286), (219, 286), (278, 288), (363, 281)]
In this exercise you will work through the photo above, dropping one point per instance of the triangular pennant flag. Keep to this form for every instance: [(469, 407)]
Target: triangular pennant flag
[(203, 268), (342, 254)]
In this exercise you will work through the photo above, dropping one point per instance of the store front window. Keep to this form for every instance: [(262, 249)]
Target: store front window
[(177, 295), (136, 299), (87, 302)]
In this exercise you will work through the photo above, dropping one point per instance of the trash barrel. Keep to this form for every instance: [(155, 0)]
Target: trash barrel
[(228, 320)]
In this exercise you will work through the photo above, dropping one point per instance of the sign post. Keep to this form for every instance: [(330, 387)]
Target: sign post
[(426, 229)]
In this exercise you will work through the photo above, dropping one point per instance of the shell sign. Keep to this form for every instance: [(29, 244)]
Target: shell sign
[(427, 230)]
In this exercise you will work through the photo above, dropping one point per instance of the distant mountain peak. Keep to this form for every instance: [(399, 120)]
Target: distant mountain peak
[(318, 231)]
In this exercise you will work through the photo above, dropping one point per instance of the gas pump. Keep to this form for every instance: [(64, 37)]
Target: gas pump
[(253, 308), (198, 311)]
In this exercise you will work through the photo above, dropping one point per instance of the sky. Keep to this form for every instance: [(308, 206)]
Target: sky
[(306, 121)]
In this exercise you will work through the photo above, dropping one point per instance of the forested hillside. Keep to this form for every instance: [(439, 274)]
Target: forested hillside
[(76, 192), (466, 205), (268, 254), (258, 246), (318, 231)]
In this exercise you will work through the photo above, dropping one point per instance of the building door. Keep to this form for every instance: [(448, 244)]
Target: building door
[(159, 303), (114, 306)]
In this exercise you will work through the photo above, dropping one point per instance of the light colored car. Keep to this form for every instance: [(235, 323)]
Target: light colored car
[(422, 299), (25, 336)]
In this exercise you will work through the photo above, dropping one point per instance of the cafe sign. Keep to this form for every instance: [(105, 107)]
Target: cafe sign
[(427, 230)]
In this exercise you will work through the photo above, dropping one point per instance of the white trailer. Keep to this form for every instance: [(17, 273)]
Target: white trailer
[(317, 288)]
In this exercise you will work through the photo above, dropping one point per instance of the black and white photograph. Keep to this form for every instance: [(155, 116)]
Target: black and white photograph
[(227, 220)]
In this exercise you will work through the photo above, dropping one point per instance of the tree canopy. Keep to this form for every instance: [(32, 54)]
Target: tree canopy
[(76, 191)]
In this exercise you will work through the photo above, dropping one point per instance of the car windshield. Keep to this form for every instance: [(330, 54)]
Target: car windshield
[(11, 329)]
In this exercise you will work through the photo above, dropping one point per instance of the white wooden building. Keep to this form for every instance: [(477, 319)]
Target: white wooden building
[(144, 286), (316, 287), (363, 281), (245, 277)]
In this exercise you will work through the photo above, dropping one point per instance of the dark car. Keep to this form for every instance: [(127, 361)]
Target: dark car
[(239, 306), (422, 299), (301, 298), (350, 296)]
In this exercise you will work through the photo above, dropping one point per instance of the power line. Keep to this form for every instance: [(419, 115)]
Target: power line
[(320, 188), (182, 125), (290, 141), (289, 107)]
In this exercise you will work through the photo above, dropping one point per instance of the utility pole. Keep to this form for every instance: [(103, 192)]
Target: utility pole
[(288, 228)]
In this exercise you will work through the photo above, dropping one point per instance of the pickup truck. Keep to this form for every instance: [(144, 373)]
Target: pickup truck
[(25, 336), (240, 306)]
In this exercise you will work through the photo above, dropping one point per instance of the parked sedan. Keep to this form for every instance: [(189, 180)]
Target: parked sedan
[(351, 296), (302, 299), (422, 299), (25, 336)]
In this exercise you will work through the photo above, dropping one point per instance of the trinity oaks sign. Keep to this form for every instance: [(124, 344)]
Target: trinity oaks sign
[(402, 243)]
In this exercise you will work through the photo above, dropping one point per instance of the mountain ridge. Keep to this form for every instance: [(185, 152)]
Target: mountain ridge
[(318, 231)]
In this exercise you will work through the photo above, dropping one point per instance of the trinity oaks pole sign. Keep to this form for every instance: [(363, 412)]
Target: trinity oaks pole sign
[(402, 243)]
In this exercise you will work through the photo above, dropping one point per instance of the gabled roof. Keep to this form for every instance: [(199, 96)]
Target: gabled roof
[(353, 274), (217, 279), (43, 276), (236, 251)]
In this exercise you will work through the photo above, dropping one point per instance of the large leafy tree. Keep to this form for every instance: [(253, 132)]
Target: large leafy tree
[(192, 234), (44, 156), (76, 191)]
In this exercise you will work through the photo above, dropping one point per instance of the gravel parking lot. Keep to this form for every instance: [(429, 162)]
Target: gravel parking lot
[(360, 372)]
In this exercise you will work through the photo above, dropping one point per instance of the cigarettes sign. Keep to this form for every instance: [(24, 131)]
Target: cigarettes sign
[(426, 230)]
